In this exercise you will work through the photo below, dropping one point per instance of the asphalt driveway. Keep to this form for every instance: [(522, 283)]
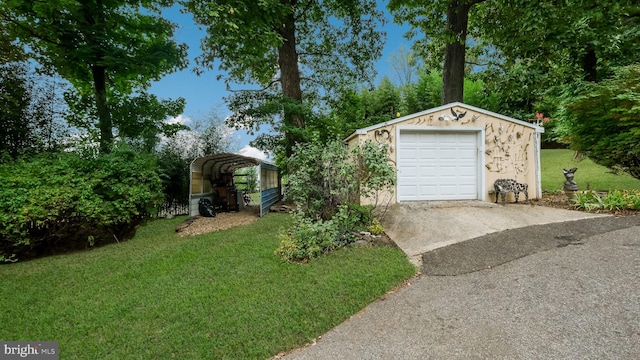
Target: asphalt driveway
[(557, 291)]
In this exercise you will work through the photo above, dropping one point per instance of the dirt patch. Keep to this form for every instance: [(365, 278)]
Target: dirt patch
[(556, 200), (225, 220)]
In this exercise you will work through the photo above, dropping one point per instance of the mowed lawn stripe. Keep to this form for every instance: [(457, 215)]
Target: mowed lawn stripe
[(219, 295)]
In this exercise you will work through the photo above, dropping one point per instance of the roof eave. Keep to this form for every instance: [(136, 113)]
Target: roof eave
[(362, 131)]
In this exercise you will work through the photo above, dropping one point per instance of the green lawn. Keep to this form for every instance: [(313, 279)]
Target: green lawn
[(255, 198), (589, 174), (223, 295)]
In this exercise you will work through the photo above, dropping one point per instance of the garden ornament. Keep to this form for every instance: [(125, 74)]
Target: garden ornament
[(570, 184), (455, 117)]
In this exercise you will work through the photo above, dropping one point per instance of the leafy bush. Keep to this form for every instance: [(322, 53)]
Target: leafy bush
[(602, 120), (326, 184), (320, 178), (64, 202), (376, 228), (613, 201), (307, 239)]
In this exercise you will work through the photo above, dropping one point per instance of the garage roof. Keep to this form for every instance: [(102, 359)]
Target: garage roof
[(223, 163), (442, 108)]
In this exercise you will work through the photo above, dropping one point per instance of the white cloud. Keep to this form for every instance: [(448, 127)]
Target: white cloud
[(180, 119), (253, 152)]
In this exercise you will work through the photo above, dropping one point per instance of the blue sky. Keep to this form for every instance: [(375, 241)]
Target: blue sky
[(205, 94)]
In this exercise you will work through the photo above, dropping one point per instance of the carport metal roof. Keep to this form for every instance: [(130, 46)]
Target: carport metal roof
[(222, 163)]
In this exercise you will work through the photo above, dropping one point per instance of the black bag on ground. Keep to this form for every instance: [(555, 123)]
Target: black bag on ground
[(206, 208)]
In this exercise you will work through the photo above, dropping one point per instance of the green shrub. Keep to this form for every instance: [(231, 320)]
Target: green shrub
[(601, 119), (326, 185), (613, 201), (321, 179), (375, 228), (63, 202), (308, 239)]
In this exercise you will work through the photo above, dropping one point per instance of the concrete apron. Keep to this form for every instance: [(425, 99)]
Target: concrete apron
[(423, 226)]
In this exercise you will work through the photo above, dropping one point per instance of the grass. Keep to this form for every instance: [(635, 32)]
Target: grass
[(223, 295), (589, 175)]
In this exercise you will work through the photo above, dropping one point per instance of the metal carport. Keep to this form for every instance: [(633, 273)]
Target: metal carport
[(207, 170)]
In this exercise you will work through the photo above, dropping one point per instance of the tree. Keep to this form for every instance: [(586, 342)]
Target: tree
[(353, 109), (603, 120), (206, 136), (103, 48), (14, 104), (441, 21), (31, 108), (404, 65), (531, 45), (291, 51), (9, 51), (426, 93), (535, 53), (581, 39)]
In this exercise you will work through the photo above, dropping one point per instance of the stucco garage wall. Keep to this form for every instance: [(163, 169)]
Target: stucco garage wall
[(506, 147)]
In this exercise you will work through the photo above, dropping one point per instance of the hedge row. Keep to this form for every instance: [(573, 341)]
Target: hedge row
[(61, 202)]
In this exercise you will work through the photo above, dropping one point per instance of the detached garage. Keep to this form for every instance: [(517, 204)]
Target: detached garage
[(456, 152)]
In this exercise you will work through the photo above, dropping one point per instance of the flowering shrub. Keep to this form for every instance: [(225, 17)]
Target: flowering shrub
[(540, 120)]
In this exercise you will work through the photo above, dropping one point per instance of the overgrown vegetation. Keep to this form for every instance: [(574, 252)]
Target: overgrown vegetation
[(65, 202), (614, 200), (603, 120), (222, 295), (326, 183)]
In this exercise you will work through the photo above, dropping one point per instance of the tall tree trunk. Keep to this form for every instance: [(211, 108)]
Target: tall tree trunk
[(290, 78), (590, 65), (104, 117), (94, 16), (454, 57)]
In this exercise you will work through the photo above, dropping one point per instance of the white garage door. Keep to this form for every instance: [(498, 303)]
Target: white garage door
[(437, 165)]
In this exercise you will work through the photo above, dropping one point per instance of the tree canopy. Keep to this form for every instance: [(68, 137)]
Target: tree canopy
[(444, 24), (103, 48), (603, 120), (290, 53)]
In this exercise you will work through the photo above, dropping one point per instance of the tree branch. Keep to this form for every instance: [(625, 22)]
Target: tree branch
[(316, 54), (304, 10), (253, 90), (476, 63), (474, 2), (29, 30)]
